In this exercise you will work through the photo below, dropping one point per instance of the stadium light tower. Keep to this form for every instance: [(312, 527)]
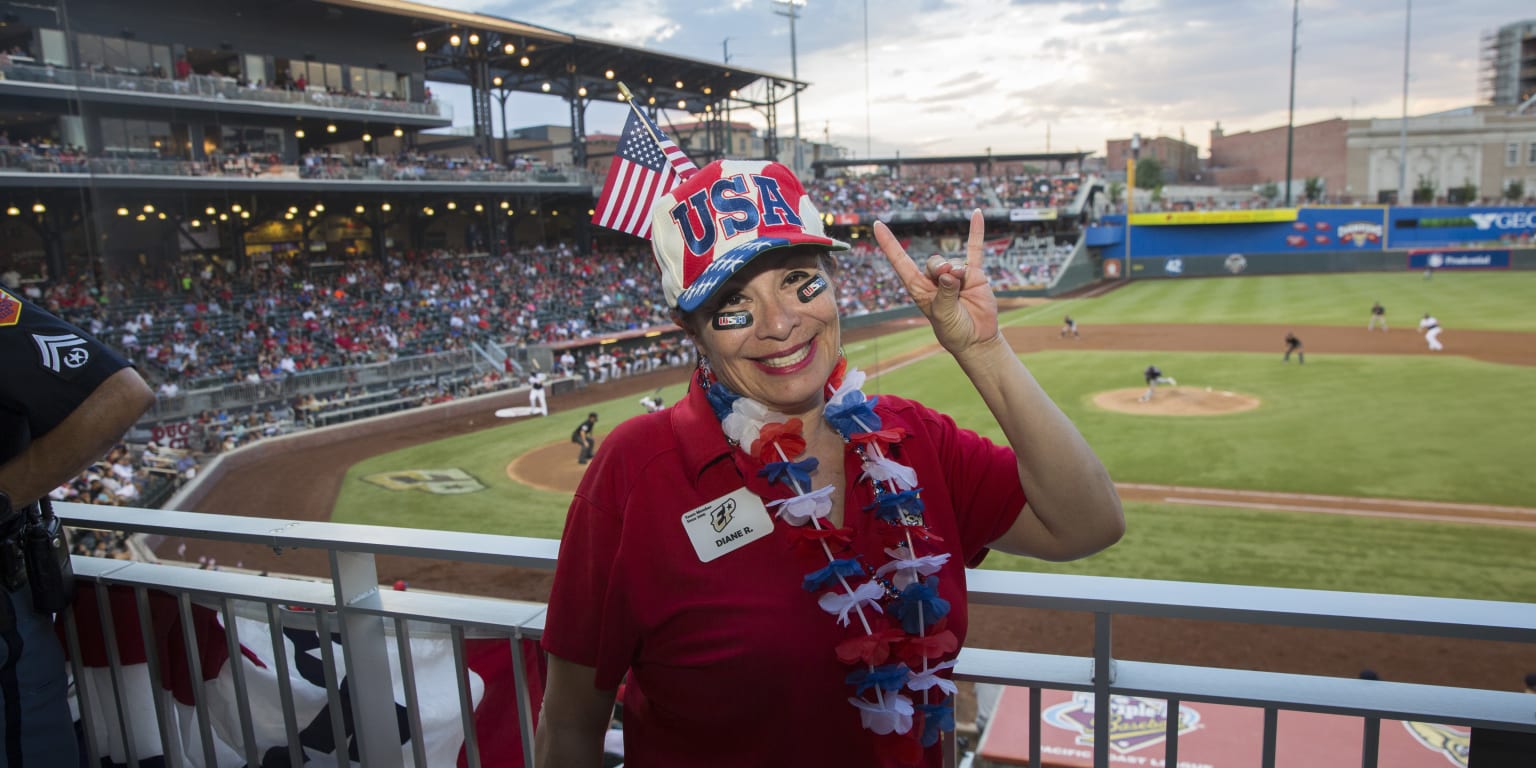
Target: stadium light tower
[(1402, 136), (793, 12), (1290, 121)]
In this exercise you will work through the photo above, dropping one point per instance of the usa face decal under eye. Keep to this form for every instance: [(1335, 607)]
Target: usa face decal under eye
[(728, 321), (812, 288)]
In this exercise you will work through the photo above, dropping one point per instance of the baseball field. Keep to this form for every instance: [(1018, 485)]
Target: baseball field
[(1376, 466)]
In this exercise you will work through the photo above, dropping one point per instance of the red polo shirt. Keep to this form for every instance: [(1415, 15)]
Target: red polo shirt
[(732, 661)]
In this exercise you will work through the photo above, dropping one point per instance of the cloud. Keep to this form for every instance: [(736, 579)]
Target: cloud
[(978, 73)]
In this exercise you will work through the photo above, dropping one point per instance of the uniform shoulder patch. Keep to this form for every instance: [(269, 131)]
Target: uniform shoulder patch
[(62, 353), (10, 309)]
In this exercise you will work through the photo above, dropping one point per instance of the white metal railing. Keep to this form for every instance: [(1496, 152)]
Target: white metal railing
[(366, 616)]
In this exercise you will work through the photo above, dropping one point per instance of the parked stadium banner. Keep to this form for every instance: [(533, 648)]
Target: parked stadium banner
[(491, 686), (1031, 214), (1458, 259), (1448, 227), (1210, 735), (1168, 218)]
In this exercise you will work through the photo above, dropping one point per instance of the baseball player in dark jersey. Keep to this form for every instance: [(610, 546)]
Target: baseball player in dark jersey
[(65, 399), (1293, 344), (1378, 317), (1154, 376)]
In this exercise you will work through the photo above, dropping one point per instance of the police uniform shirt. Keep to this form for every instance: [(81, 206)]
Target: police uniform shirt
[(50, 367)]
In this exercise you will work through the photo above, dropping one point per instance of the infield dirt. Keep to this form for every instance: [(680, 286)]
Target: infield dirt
[(303, 484)]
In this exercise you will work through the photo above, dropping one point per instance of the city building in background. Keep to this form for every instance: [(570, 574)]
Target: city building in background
[(1509, 64)]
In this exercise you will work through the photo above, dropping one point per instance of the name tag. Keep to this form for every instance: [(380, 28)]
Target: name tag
[(727, 524)]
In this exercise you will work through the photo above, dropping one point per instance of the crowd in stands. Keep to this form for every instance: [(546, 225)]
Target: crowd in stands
[(213, 326), (411, 165), (878, 194), (182, 73)]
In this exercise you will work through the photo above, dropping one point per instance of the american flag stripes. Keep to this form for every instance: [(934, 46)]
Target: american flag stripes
[(646, 165)]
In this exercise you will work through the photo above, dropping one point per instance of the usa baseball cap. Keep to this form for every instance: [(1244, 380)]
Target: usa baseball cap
[(723, 216)]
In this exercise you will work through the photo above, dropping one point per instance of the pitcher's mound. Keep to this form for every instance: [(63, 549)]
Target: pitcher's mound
[(552, 467), (1176, 401)]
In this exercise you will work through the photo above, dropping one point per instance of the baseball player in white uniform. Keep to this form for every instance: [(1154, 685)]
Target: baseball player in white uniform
[(1430, 327), (536, 400)]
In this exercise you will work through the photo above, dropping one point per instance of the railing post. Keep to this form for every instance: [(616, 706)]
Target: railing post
[(1103, 676), (365, 651)]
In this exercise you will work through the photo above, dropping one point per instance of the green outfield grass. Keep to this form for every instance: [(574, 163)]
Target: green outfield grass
[(1304, 551), (1353, 425), (1449, 429), (1492, 300)]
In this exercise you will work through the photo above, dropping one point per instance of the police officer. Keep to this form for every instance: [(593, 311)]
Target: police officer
[(64, 401)]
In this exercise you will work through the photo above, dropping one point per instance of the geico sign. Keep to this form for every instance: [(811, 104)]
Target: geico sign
[(1511, 220)]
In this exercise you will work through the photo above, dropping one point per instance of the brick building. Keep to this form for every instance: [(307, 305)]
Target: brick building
[(1253, 158), (1180, 159)]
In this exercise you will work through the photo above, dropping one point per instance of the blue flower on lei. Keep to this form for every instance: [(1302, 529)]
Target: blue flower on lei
[(888, 678), (890, 506), (936, 718), (795, 474), (853, 414), (844, 567), (920, 606)]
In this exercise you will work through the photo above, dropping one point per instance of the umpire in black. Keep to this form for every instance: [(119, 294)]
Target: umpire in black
[(65, 399)]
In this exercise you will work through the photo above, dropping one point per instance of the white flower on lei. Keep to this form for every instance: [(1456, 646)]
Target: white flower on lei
[(892, 715), (840, 603), (909, 568), (929, 678), (747, 419), (799, 510)]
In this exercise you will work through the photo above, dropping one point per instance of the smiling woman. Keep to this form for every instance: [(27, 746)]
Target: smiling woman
[(775, 565)]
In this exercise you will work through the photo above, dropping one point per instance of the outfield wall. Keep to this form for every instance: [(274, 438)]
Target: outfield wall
[(1236, 263), (1312, 231)]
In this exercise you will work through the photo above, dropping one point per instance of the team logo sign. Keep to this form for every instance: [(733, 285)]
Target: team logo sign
[(1452, 743), (10, 309), (1360, 233), (1135, 723), (1174, 266), (1236, 263), (444, 482)]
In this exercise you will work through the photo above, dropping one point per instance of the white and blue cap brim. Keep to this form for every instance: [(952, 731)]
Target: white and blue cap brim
[(732, 261)]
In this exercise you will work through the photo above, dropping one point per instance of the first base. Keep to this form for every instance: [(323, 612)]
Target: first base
[(515, 412)]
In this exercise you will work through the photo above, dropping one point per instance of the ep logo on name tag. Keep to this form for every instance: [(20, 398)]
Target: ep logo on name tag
[(727, 524)]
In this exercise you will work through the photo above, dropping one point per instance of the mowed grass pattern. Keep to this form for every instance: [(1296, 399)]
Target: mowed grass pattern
[(1494, 300), (1445, 428)]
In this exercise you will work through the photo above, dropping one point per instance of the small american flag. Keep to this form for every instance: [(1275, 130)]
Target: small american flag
[(646, 165)]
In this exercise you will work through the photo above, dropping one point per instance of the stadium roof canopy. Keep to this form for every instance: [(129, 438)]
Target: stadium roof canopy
[(559, 63), (821, 166)]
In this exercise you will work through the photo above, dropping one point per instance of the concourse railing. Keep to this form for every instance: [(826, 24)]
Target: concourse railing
[(372, 691), (219, 88)]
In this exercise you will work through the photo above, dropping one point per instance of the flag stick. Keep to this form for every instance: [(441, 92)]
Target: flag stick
[(629, 98)]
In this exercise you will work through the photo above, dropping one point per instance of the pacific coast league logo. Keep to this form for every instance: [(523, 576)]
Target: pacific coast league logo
[(1135, 722)]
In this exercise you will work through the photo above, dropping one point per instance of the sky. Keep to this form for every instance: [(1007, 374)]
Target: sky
[(940, 77)]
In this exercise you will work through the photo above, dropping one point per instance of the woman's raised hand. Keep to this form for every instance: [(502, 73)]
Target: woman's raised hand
[(957, 299)]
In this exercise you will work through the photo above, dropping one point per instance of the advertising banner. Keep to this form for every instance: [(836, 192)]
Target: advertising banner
[(1260, 216), (1448, 227), (1457, 259), (1210, 735), (1032, 214)]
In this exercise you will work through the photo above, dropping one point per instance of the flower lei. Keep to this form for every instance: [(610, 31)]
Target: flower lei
[(886, 659)]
